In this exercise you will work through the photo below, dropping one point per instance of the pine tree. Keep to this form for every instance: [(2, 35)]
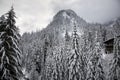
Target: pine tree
[(44, 58), (95, 69), (74, 62), (9, 51), (55, 75), (56, 71), (67, 38), (38, 60), (66, 53)]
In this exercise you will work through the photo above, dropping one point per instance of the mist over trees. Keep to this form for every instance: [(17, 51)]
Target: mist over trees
[(69, 48)]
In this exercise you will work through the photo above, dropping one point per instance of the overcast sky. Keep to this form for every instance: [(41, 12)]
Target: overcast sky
[(36, 14)]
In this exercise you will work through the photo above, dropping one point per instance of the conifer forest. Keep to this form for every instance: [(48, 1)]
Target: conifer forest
[(69, 48)]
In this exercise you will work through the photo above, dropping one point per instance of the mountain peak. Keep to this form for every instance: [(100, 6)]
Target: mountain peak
[(68, 13), (63, 20)]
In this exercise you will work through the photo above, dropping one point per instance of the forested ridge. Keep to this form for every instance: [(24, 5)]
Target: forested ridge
[(69, 48)]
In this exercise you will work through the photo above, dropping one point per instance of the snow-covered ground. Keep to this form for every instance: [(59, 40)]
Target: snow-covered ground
[(107, 58)]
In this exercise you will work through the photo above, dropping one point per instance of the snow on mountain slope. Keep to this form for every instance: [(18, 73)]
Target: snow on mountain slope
[(63, 21), (65, 15), (107, 58)]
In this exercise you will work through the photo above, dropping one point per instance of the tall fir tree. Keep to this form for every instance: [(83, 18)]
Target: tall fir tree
[(66, 53), (45, 48), (75, 69), (10, 68), (67, 38), (95, 69)]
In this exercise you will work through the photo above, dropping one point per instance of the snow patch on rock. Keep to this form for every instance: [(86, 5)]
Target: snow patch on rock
[(65, 15)]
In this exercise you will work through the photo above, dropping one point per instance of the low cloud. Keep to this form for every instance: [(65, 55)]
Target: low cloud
[(36, 14)]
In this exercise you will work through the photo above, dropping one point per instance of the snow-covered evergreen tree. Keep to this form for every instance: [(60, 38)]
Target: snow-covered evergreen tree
[(66, 53), (44, 52), (95, 69), (38, 60), (10, 68), (67, 38), (56, 69), (74, 62), (55, 74)]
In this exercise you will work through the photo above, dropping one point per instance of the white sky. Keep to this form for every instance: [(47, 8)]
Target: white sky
[(36, 14)]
